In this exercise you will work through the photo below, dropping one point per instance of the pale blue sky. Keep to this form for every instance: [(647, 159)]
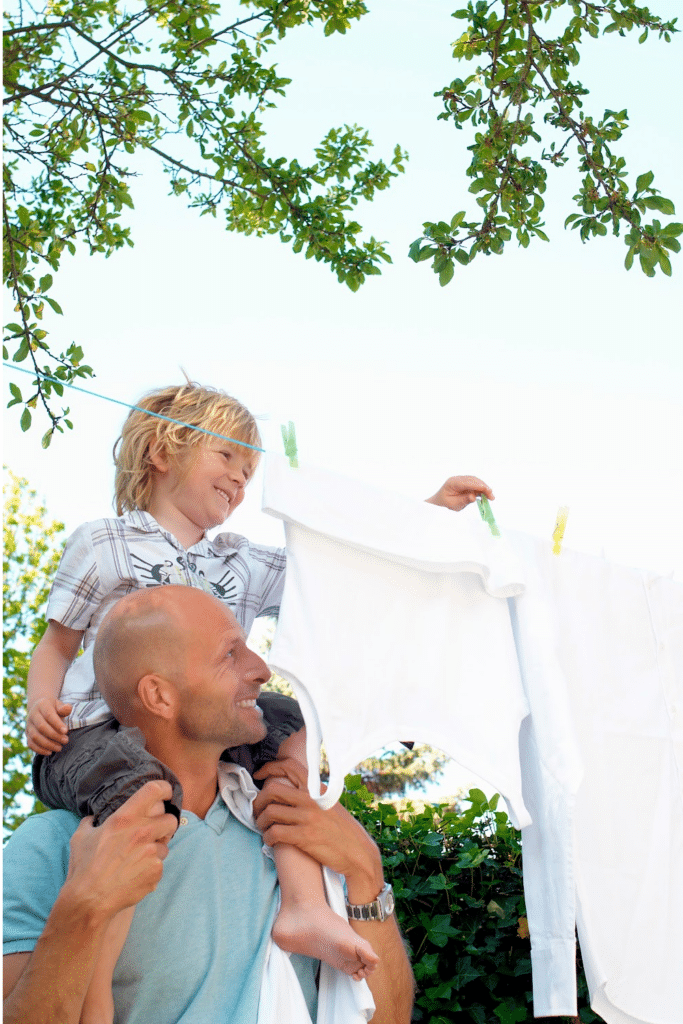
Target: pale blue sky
[(551, 372)]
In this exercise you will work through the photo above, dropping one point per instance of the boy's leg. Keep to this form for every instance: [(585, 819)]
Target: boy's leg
[(306, 923), (97, 770)]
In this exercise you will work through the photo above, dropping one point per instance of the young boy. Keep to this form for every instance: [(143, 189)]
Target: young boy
[(173, 484)]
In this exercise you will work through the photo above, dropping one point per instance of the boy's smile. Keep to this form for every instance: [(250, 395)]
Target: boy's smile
[(194, 494)]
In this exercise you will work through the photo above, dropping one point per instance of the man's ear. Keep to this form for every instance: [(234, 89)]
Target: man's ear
[(159, 457), (157, 695)]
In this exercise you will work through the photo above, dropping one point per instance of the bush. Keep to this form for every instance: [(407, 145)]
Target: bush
[(457, 878)]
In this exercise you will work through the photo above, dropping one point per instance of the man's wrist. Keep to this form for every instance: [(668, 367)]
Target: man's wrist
[(364, 882)]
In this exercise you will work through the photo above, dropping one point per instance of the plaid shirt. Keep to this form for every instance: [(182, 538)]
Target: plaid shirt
[(106, 559)]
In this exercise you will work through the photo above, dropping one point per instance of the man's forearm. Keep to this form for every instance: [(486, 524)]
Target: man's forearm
[(52, 985), (391, 983)]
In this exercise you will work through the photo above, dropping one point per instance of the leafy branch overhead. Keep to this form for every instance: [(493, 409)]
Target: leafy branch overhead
[(527, 110), (91, 87), (92, 84)]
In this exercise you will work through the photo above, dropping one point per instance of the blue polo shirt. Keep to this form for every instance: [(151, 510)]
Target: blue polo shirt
[(197, 945)]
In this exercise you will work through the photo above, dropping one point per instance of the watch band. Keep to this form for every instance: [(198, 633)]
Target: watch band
[(378, 910)]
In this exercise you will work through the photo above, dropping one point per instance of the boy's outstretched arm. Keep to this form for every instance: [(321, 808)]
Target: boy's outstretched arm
[(45, 730), (459, 491), (285, 814)]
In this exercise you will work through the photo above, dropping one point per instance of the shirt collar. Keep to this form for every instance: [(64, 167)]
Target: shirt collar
[(146, 523)]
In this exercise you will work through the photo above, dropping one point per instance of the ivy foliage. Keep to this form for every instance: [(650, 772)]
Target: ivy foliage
[(90, 84), (32, 547), (527, 110), (457, 878)]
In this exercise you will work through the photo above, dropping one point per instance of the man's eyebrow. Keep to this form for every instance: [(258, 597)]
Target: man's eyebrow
[(231, 634)]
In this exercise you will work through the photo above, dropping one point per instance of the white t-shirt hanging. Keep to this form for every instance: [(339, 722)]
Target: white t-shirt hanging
[(425, 650)]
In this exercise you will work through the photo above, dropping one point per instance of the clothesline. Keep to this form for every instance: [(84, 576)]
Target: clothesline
[(127, 405)]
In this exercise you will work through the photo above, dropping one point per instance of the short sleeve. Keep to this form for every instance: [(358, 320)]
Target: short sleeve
[(76, 591), (35, 864), (272, 562)]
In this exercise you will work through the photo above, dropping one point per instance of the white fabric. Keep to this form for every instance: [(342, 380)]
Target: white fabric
[(375, 580), (371, 579), (551, 774), (619, 642), (341, 1000)]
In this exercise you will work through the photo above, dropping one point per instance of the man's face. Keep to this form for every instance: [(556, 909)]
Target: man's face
[(222, 679)]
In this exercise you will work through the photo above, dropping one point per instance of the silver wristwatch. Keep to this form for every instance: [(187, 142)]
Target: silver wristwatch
[(378, 910)]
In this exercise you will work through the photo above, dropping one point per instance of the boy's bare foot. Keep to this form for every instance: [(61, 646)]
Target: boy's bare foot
[(316, 931)]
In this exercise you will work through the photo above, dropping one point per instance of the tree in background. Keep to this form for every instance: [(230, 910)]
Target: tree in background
[(32, 547), (90, 85), (523, 95)]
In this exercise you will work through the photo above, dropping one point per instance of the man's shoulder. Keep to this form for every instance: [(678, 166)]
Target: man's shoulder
[(51, 827)]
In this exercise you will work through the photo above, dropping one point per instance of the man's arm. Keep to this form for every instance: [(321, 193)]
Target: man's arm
[(110, 868), (289, 815)]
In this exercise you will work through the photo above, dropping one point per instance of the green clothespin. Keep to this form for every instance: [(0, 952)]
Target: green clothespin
[(289, 441), (487, 515), (558, 532)]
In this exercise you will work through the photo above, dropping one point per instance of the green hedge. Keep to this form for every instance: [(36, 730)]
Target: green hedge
[(457, 877)]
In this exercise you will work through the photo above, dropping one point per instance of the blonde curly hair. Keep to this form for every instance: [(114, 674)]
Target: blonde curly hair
[(193, 405)]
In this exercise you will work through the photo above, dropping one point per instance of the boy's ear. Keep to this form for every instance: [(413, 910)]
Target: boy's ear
[(156, 695), (158, 457)]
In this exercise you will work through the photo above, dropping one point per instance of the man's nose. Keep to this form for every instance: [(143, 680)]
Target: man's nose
[(257, 671)]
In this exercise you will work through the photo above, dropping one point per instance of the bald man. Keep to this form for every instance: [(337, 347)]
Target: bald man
[(173, 662)]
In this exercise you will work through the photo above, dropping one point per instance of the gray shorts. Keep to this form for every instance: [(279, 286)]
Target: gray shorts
[(103, 764)]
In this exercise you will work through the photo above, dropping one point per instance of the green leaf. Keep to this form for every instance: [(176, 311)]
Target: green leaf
[(446, 274), (414, 250), (644, 180), (25, 421), (660, 203), (665, 263), (45, 282)]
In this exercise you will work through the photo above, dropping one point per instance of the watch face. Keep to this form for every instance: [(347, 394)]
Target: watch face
[(389, 903)]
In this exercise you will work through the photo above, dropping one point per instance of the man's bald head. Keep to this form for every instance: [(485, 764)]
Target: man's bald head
[(145, 633)]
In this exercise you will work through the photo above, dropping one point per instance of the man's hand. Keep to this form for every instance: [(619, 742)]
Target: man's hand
[(46, 733), (116, 864), (460, 491), (285, 814)]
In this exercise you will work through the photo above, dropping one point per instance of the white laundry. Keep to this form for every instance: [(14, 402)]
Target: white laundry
[(372, 580), (618, 636), (600, 650), (341, 1000), (551, 774)]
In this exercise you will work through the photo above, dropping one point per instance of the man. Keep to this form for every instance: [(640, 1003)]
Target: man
[(173, 662)]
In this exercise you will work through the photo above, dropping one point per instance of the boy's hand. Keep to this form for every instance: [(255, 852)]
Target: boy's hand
[(460, 491), (46, 733)]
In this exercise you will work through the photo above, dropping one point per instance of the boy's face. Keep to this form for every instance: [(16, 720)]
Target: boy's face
[(207, 485)]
